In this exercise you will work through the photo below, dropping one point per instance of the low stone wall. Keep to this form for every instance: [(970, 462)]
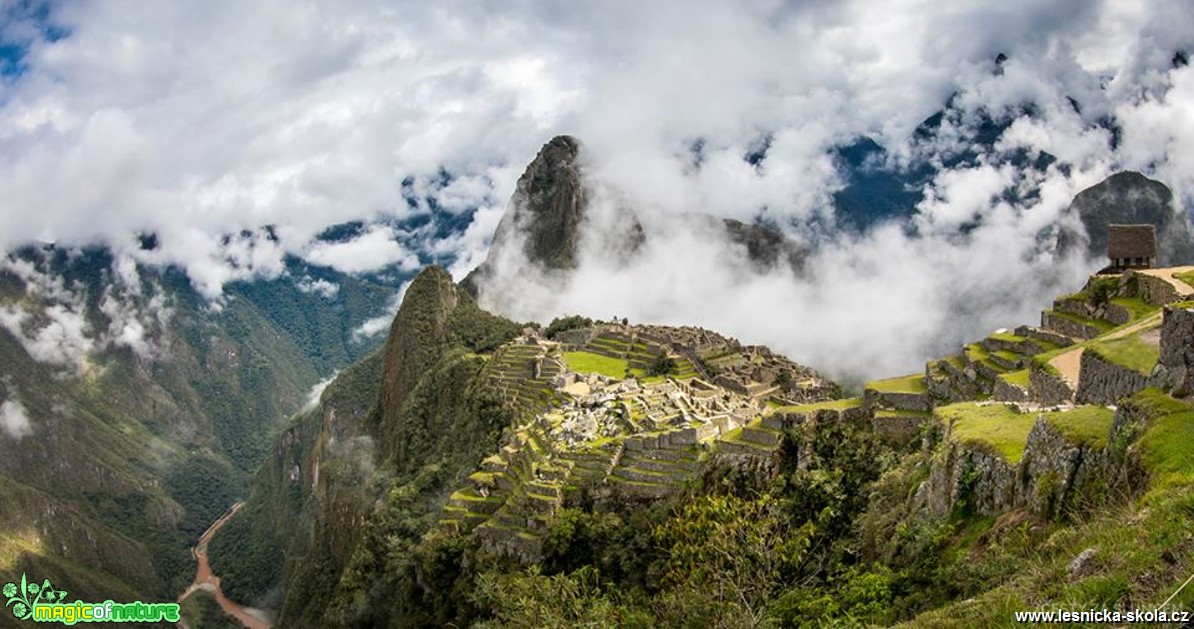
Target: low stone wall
[(1068, 327), (1174, 373), (1044, 335), (1104, 382), (1054, 476), (1153, 290), (1048, 388), (899, 431), (900, 401), (1007, 392), (1124, 469), (997, 345), (1073, 306)]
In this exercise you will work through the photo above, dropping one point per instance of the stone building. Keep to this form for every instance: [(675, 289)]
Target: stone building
[(1132, 246)]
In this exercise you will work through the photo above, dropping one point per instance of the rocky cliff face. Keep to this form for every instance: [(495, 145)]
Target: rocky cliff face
[(551, 217), (548, 207)]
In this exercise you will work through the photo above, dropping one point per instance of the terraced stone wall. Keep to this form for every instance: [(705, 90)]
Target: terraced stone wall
[(1175, 372), (1104, 382)]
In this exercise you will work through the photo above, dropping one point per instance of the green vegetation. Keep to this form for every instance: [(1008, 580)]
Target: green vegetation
[(588, 362), (247, 557), (1086, 425), (1016, 378), (662, 366), (562, 324), (1139, 554), (200, 610), (914, 383), (1165, 445), (997, 425), (205, 487), (1128, 351), (1187, 277), (833, 405)]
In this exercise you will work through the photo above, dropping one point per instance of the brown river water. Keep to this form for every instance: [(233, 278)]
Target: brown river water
[(205, 580)]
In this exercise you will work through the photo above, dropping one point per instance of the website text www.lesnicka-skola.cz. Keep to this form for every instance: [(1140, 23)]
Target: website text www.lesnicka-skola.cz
[(1106, 615)]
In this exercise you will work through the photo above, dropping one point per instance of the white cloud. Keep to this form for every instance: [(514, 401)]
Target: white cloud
[(14, 419), (317, 391), (381, 323), (327, 289), (52, 324), (195, 122), (371, 251)]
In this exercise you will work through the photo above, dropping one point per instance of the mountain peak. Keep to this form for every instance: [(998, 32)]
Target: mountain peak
[(1130, 197), (416, 336)]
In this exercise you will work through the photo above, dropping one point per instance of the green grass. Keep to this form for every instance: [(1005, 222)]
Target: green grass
[(1136, 307), (886, 414), (832, 405), (976, 353), (1165, 445), (588, 362), (1010, 357), (1187, 277), (1016, 378), (914, 383), (994, 424), (1007, 337), (1086, 425), (1128, 351), (1046, 346)]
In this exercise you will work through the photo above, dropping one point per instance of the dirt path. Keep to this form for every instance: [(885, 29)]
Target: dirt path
[(205, 580), (1069, 364), (1182, 288), (1151, 320)]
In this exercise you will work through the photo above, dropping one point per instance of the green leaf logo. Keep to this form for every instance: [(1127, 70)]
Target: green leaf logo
[(22, 599)]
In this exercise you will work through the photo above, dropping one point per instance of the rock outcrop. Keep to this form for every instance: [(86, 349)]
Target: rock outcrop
[(416, 338)]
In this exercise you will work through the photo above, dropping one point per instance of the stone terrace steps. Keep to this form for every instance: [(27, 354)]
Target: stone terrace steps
[(753, 439), (1049, 336)]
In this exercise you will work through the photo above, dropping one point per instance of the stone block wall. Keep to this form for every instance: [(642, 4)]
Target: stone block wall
[(1154, 290), (1104, 382), (1174, 371), (1047, 387)]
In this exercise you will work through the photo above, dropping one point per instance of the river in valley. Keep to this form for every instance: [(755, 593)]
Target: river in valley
[(205, 580)]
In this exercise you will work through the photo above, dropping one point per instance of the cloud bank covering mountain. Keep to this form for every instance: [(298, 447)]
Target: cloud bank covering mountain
[(203, 124)]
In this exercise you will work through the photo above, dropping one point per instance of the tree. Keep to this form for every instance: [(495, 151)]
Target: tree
[(733, 550), (662, 366)]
